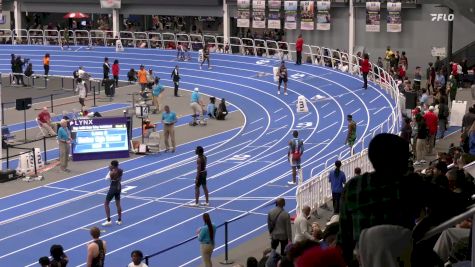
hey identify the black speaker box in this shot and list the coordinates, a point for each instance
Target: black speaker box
(7, 175)
(23, 103)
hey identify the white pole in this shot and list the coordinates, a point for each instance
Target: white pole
(351, 30)
(17, 16)
(115, 22)
(226, 21)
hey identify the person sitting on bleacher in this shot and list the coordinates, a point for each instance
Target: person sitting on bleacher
(44, 119)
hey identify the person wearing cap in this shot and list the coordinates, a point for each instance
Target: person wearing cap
(196, 105)
(432, 122)
(351, 136)
(64, 141)
(44, 119)
(142, 77)
(157, 95)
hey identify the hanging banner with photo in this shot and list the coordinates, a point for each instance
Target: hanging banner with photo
(307, 15)
(394, 17)
(273, 21)
(258, 13)
(290, 8)
(323, 15)
(243, 13)
(373, 16)
(115, 4)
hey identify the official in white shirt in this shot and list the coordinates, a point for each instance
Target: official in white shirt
(303, 229)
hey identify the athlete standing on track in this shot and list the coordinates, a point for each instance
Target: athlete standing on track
(115, 175)
(205, 56)
(294, 156)
(96, 250)
(201, 175)
(282, 77)
(351, 137)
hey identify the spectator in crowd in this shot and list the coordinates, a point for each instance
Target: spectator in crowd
(302, 227)
(132, 75)
(437, 64)
(278, 224)
(142, 77)
(471, 136)
(351, 136)
(424, 99)
(452, 87)
(44, 262)
(115, 72)
(376, 198)
(282, 77)
(157, 95)
(299, 48)
(96, 249)
(432, 123)
(222, 110)
(430, 76)
(64, 140)
(468, 119)
(449, 239)
(443, 116)
(201, 175)
(406, 131)
(365, 70)
(251, 262)
(421, 139)
(176, 80)
(440, 78)
(59, 259)
(137, 258)
(417, 79)
(150, 79)
(211, 108)
(357, 171)
(46, 62)
(44, 119)
(106, 69)
(206, 236)
(294, 156)
(337, 180)
(81, 89)
(18, 69)
(403, 60)
(196, 106)
(168, 121)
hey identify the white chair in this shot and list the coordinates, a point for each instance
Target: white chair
(153, 143)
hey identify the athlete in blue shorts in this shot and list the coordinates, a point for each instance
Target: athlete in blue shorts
(115, 176)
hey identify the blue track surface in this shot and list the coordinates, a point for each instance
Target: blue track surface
(247, 166)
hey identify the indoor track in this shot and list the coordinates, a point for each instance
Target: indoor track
(247, 166)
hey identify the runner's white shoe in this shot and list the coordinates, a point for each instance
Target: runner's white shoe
(118, 222)
(206, 204)
(285, 93)
(278, 92)
(291, 183)
(107, 223)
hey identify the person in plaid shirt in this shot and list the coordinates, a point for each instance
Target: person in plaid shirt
(391, 196)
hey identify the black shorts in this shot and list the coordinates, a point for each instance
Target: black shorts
(113, 194)
(282, 80)
(202, 179)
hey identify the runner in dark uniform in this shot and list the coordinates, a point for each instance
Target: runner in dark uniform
(96, 250)
(201, 175)
(115, 175)
(282, 78)
(205, 56)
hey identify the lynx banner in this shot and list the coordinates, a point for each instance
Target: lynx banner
(373, 16)
(273, 21)
(394, 17)
(290, 8)
(243, 13)
(307, 15)
(323, 15)
(258, 13)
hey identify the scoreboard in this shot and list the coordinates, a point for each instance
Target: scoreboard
(99, 138)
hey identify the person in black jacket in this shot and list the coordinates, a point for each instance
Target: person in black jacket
(222, 110)
(106, 69)
(176, 80)
(443, 115)
(18, 68)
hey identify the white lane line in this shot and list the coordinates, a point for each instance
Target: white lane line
(356, 111)
(308, 114)
(352, 100)
(379, 110)
(257, 129)
(329, 114)
(326, 104)
(323, 129)
(278, 110)
(375, 99)
(256, 121)
(281, 118)
(275, 130)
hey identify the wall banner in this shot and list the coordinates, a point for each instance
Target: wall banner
(323, 15)
(243, 13)
(394, 17)
(290, 8)
(373, 16)
(307, 15)
(273, 21)
(258, 13)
